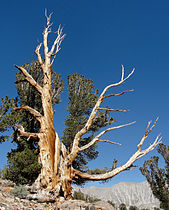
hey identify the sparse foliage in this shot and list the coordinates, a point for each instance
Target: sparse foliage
(19, 191)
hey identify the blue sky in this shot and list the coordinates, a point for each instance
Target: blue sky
(100, 36)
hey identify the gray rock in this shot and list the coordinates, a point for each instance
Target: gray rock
(6, 183)
(104, 204)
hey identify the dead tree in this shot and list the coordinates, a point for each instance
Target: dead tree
(57, 172)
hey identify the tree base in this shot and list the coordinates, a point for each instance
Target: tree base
(47, 195)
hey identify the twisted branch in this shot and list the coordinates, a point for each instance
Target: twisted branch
(137, 155)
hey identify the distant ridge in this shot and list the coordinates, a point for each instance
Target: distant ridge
(130, 193)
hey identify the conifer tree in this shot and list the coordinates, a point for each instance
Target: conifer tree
(157, 177)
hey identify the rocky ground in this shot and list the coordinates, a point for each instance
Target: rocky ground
(11, 202)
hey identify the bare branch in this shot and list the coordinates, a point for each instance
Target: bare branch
(93, 114)
(53, 60)
(38, 55)
(116, 110)
(101, 134)
(56, 45)
(57, 42)
(126, 166)
(22, 132)
(113, 128)
(32, 111)
(118, 94)
(146, 133)
(111, 142)
(45, 34)
(118, 83)
(30, 79)
(122, 74)
(48, 18)
(47, 15)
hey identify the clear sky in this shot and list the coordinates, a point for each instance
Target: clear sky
(100, 36)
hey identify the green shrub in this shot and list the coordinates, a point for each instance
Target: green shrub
(81, 196)
(19, 191)
(133, 208)
(122, 207)
(1, 173)
(111, 203)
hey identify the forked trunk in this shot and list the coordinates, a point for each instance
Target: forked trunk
(53, 182)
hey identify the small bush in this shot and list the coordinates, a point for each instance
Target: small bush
(133, 208)
(111, 203)
(122, 207)
(81, 196)
(1, 171)
(20, 192)
(149, 209)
